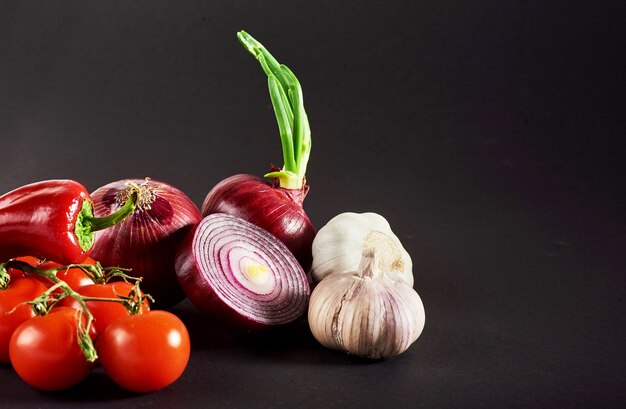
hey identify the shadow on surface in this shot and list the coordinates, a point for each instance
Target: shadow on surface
(96, 387)
(292, 343)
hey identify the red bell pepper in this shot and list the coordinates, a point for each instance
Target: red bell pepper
(52, 220)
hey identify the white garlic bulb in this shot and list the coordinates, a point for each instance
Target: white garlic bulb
(339, 244)
(366, 313)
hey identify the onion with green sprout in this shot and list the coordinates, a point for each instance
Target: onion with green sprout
(275, 207)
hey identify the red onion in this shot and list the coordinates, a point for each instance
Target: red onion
(276, 207)
(277, 210)
(240, 274)
(147, 240)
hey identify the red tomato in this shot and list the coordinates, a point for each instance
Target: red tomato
(33, 261)
(74, 277)
(104, 312)
(21, 289)
(44, 351)
(145, 352)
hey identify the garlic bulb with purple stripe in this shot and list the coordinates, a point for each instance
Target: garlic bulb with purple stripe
(368, 312)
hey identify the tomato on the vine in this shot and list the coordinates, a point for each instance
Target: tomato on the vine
(74, 277)
(145, 352)
(104, 312)
(19, 291)
(45, 353)
(33, 261)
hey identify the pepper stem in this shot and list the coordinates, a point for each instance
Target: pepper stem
(87, 224)
(99, 223)
(293, 124)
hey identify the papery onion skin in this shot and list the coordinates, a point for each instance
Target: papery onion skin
(147, 241)
(275, 209)
(206, 292)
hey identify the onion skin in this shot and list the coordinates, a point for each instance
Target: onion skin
(147, 240)
(203, 252)
(276, 210)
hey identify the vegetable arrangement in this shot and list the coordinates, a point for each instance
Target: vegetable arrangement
(55, 319)
(243, 260)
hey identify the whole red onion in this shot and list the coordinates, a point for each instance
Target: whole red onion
(277, 210)
(147, 240)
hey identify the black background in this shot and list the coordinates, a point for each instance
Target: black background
(489, 133)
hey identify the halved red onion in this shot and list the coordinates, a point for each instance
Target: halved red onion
(147, 240)
(241, 274)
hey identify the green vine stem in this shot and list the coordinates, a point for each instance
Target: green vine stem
(293, 124)
(5, 279)
(48, 299)
(96, 273)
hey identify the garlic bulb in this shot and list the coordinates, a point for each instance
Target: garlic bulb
(366, 312)
(338, 246)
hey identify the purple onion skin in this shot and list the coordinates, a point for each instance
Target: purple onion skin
(146, 241)
(277, 210)
(205, 298)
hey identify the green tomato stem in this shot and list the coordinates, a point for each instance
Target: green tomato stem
(5, 279)
(293, 124)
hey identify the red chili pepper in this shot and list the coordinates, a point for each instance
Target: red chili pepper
(52, 219)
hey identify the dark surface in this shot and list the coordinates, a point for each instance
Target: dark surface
(490, 134)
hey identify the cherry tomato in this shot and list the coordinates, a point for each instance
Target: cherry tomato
(20, 290)
(104, 312)
(74, 277)
(44, 351)
(33, 261)
(145, 352)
